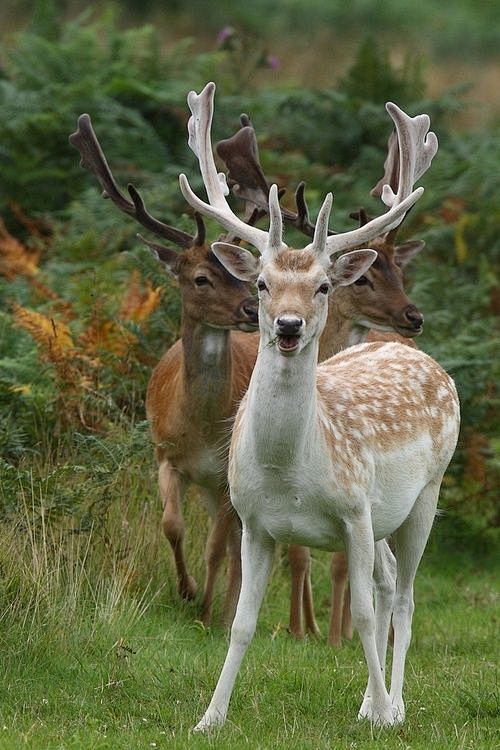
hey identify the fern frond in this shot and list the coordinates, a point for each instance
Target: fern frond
(139, 300)
(106, 336)
(53, 336)
(15, 258)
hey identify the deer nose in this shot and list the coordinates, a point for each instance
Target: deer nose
(250, 308)
(289, 325)
(414, 317)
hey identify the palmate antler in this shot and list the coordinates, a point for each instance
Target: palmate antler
(246, 178)
(409, 154)
(270, 242)
(199, 126)
(421, 148)
(93, 159)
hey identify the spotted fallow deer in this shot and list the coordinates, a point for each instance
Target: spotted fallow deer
(340, 454)
(375, 304)
(197, 384)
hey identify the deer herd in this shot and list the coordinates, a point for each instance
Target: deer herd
(341, 432)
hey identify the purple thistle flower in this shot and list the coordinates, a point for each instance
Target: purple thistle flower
(224, 34)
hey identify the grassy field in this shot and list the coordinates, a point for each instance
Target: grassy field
(97, 651)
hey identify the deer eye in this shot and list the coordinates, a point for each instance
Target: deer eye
(361, 281)
(261, 285)
(201, 280)
(324, 288)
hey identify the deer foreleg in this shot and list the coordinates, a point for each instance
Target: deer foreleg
(172, 488)
(340, 615)
(234, 569)
(360, 547)
(215, 551)
(256, 560)
(298, 559)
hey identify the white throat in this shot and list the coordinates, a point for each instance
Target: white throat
(281, 403)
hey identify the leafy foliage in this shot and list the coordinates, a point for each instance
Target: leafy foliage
(83, 323)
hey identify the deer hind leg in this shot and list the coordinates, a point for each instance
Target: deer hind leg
(172, 488)
(360, 547)
(340, 616)
(410, 540)
(257, 550)
(384, 577)
(301, 599)
(308, 605)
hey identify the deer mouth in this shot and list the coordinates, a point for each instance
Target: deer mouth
(288, 344)
(248, 326)
(410, 331)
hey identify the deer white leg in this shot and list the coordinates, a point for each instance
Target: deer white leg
(410, 540)
(384, 577)
(172, 488)
(257, 551)
(361, 555)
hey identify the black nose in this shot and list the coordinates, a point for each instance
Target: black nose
(414, 317)
(251, 309)
(289, 325)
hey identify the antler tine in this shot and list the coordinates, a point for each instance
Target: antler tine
(391, 167)
(301, 219)
(93, 159)
(375, 227)
(199, 126)
(361, 216)
(417, 147)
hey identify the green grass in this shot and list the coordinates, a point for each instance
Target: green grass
(97, 652)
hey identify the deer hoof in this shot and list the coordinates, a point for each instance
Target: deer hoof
(382, 716)
(187, 588)
(209, 721)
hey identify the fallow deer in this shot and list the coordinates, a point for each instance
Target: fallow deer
(376, 301)
(197, 384)
(340, 454)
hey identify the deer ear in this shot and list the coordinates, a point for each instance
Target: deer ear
(404, 253)
(350, 266)
(168, 258)
(238, 261)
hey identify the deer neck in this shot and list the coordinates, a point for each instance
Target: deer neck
(340, 332)
(281, 405)
(207, 371)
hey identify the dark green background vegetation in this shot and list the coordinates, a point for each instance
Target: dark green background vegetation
(134, 87)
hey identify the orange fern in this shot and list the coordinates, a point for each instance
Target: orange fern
(15, 258)
(139, 300)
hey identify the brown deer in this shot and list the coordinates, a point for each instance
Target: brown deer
(340, 454)
(197, 385)
(375, 304)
